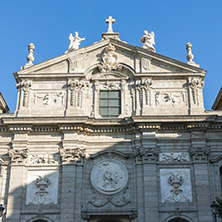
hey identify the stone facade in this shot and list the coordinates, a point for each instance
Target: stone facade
(63, 161)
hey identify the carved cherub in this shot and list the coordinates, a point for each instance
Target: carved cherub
(148, 41)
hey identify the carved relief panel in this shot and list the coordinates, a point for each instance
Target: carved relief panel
(174, 157)
(43, 159)
(173, 99)
(42, 187)
(109, 179)
(175, 185)
(49, 99)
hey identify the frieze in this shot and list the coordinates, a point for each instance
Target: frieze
(174, 157)
(170, 98)
(49, 98)
(111, 86)
(18, 156)
(42, 159)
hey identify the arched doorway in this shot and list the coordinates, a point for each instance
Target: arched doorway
(178, 220)
(109, 220)
(40, 221)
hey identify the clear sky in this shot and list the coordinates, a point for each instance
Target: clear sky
(48, 23)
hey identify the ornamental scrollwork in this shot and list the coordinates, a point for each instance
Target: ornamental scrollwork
(76, 86)
(146, 154)
(24, 85)
(72, 155)
(18, 156)
(109, 58)
(199, 153)
(119, 200)
(3, 163)
(195, 84)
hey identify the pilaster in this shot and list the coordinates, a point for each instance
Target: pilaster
(199, 152)
(19, 156)
(72, 158)
(146, 159)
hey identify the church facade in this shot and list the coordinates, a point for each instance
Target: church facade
(110, 133)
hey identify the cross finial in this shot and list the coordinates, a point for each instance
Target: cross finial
(110, 20)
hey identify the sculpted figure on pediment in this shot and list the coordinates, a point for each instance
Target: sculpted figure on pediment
(148, 41)
(74, 42)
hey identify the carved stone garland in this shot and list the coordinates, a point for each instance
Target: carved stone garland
(24, 86)
(18, 156)
(76, 86)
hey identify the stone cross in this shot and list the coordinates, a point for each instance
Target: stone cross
(110, 20)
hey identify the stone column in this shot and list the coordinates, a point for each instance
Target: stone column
(199, 152)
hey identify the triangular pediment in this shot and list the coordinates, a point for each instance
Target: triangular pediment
(138, 59)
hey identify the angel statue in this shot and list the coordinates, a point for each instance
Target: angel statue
(148, 41)
(74, 42)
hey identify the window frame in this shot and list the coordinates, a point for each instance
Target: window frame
(109, 106)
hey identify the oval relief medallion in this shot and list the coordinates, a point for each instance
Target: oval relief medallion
(109, 176)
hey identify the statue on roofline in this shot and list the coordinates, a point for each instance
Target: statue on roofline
(148, 41)
(74, 42)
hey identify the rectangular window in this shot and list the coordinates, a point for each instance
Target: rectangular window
(110, 103)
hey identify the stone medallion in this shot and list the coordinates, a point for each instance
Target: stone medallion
(109, 176)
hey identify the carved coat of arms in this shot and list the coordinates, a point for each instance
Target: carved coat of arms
(109, 58)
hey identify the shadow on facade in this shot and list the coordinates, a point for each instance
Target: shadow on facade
(108, 184)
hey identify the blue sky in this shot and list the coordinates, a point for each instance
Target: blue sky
(48, 23)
